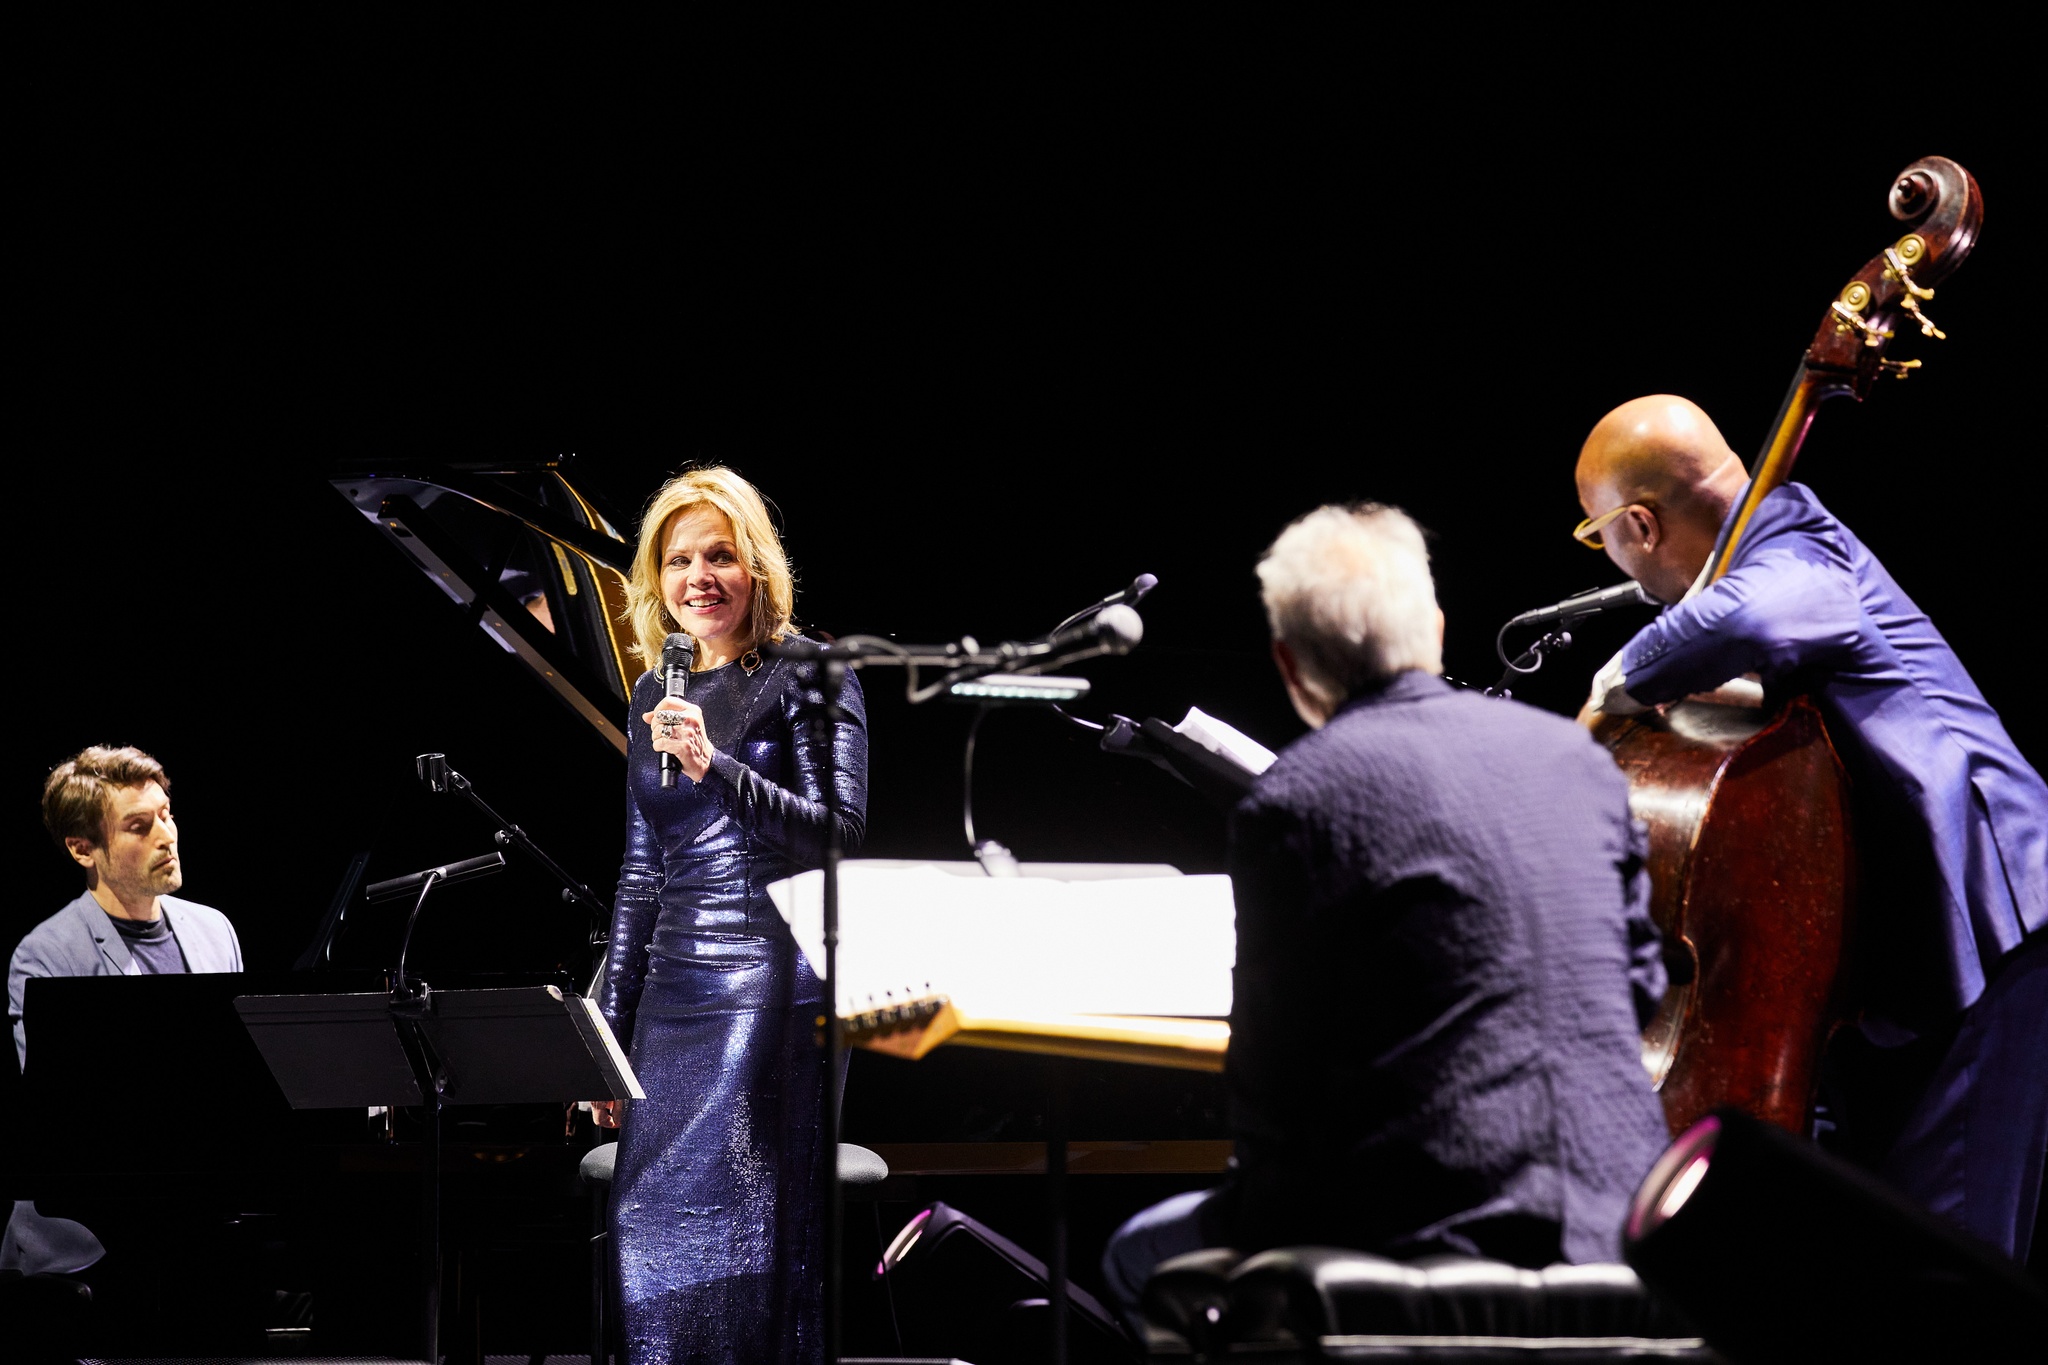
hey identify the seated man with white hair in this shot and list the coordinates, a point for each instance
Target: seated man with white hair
(1444, 958)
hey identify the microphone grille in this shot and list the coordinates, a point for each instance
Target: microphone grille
(678, 648)
(1118, 629)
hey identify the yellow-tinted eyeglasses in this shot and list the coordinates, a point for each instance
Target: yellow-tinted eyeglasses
(1587, 532)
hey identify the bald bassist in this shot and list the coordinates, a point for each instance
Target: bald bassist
(1944, 1089)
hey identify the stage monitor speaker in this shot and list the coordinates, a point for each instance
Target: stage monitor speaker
(1781, 1252)
(962, 1289)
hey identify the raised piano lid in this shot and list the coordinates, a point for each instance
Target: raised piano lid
(528, 557)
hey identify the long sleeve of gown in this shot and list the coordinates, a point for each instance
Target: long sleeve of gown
(635, 907)
(793, 822)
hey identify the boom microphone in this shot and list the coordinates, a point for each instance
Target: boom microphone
(677, 651)
(1115, 629)
(1585, 604)
(1130, 596)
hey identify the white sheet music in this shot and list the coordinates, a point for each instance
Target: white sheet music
(1086, 943)
(1226, 741)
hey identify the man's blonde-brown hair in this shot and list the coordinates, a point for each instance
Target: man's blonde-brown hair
(753, 535)
(79, 791)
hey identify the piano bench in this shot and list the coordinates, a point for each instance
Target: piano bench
(1331, 1304)
(859, 1168)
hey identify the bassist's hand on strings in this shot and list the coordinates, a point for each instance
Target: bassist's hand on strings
(679, 729)
(606, 1113)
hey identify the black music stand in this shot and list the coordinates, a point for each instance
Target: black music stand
(1214, 776)
(525, 1045)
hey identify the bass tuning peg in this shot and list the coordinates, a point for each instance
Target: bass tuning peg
(1927, 328)
(1848, 318)
(1896, 269)
(1898, 369)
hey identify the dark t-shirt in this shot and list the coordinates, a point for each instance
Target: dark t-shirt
(152, 945)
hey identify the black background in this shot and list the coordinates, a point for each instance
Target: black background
(998, 316)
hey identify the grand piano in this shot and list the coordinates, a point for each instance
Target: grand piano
(960, 1108)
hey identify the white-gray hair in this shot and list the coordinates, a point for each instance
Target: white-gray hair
(1348, 589)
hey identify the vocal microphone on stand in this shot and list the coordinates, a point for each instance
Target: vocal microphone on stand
(1580, 606)
(1130, 596)
(1562, 616)
(677, 651)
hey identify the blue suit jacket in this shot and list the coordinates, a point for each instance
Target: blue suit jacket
(1952, 822)
(79, 941)
(1444, 960)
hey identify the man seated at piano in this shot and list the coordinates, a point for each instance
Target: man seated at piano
(1943, 1090)
(1444, 956)
(109, 810)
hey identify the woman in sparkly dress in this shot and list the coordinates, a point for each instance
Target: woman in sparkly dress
(716, 1214)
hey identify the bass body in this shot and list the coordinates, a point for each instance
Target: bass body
(1752, 883)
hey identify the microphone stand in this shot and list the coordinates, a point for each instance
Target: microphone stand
(828, 663)
(1530, 659)
(828, 679)
(433, 770)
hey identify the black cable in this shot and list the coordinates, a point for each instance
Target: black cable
(1554, 641)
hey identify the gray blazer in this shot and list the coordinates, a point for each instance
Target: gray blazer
(78, 941)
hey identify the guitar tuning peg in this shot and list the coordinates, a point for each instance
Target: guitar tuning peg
(1898, 369)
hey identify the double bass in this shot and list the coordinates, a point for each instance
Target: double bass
(1751, 857)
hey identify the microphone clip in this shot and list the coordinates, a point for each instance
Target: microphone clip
(1530, 660)
(433, 770)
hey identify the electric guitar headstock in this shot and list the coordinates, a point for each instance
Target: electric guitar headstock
(908, 1024)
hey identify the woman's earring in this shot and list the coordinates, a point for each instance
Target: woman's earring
(750, 661)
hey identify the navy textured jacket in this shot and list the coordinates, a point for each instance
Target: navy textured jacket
(1444, 960)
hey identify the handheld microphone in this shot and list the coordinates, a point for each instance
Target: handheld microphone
(677, 651)
(1583, 605)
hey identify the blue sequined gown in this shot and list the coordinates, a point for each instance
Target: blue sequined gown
(715, 1218)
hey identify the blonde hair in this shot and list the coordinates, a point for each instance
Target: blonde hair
(1349, 590)
(753, 535)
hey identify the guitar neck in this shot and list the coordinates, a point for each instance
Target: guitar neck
(913, 1030)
